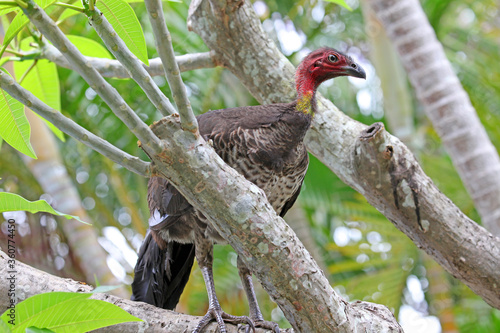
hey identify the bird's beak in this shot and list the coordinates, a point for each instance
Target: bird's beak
(355, 70)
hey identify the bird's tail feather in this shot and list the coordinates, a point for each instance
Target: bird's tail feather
(162, 274)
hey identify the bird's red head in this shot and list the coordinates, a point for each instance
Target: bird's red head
(324, 64)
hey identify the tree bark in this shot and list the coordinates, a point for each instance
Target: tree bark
(446, 103)
(469, 252)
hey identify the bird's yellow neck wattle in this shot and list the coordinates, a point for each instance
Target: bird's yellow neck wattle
(305, 102)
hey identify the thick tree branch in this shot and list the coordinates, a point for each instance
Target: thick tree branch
(254, 59)
(156, 319)
(71, 128)
(117, 104)
(446, 104)
(131, 63)
(163, 43)
(113, 68)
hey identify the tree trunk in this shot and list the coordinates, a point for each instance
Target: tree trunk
(446, 103)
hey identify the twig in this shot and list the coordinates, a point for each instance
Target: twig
(71, 128)
(163, 43)
(28, 71)
(113, 68)
(66, 5)
(134, 67)
(79, 63)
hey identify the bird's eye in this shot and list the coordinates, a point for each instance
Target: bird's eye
(332, 58)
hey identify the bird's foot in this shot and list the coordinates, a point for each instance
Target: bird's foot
(268, 325)
(222, 318)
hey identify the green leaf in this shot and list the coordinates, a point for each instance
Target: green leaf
(7, 9)
(68, 12)
(89, 47)
(12, 202)
(4, 327)
(20, 21)
(14, 126)
(42, 81)
(341, 3)
(123, 19)
(33, 329)
(67, 312)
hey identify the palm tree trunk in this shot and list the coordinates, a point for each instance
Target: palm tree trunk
(51, 173)
(52, 176)
(446, 103)
(398, 106)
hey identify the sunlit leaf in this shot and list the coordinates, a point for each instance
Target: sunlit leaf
(42, 81)
(89, 47)
(14, 126)
(123, 19)
(7, 9)
(66, 312)
(10, 202)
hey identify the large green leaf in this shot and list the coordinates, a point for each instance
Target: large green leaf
(12, 202)
(14, 126)
(42, 81)
(123, 19)
(89, 47)
(66, 312)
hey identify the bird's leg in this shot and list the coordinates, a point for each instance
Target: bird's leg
(204, 257)
(255, 313)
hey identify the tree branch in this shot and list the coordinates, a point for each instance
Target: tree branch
(333, 138)
(446, 104)
(163, 43)
(113, 68)
(240, 212)
(156, 319)
(117, 104)
(130, 62)
(71, 128)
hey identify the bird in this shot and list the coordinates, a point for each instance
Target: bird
(264, 143)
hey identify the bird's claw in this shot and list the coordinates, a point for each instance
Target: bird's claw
(268, 325)
(221, 317)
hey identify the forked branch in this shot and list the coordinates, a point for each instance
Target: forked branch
(163, 42)
(131, 63)
(110, 96)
